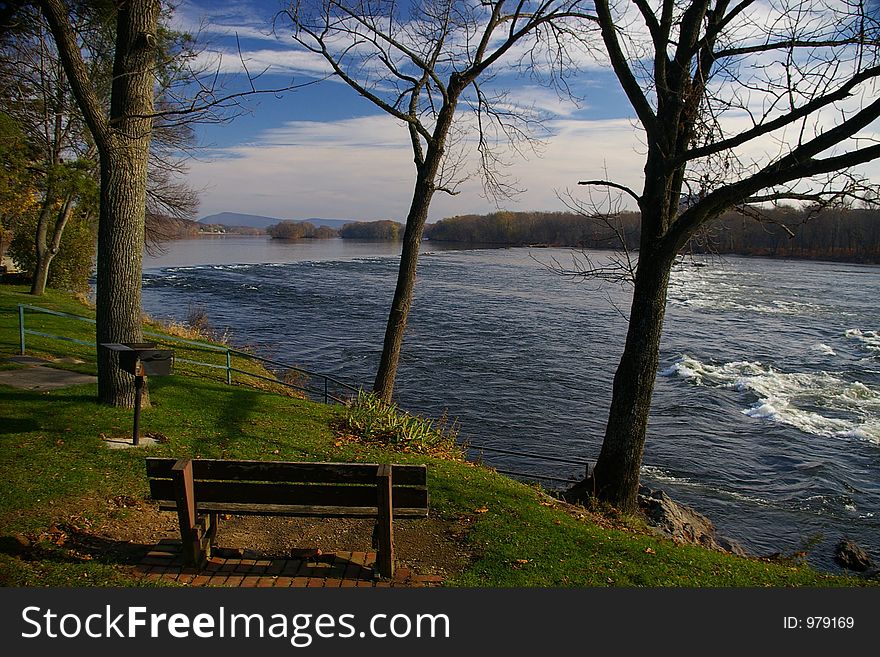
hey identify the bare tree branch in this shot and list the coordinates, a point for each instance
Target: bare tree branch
(419, 63)
(742, 105)
(613, 185)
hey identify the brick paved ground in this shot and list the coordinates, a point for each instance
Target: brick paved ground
(305, 568)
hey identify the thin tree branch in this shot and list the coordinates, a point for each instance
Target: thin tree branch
(56, 13)
(613, 185)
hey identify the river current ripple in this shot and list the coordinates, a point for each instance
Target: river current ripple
(766, 414)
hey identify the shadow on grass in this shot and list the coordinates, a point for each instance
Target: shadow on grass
(12, 425)
(233, 406)
(18, 409)
(72, 545)
(9, 395)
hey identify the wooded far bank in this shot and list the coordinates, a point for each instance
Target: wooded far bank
(830, 234)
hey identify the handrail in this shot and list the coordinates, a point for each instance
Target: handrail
(324, 391)
(269, 361)
(229, 352)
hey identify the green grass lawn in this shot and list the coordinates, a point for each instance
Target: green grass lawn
(53, 463)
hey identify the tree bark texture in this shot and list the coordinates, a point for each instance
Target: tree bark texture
(425, 186)
(615, 478)
(123, 141)
(123, 196)
(383, 386)
(120, 243)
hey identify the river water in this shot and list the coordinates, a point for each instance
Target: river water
(766, 413)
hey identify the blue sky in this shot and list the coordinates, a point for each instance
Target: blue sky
(325, 152)
(322, 151)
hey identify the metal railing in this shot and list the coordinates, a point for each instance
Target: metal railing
(329, 389)
(321, 393)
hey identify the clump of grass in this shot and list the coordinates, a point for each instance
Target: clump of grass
(196, 326)
(295, 377)
(370, 420)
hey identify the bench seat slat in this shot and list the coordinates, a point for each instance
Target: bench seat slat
(317, 511)
(289, 471)
(245, 492)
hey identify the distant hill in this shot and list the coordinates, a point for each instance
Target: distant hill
(258, 221)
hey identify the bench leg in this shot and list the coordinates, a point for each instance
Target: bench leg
(213, 527)
(181, 474)
(385, 522)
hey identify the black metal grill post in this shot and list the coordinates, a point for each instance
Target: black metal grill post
(138, 394)
(141, 359)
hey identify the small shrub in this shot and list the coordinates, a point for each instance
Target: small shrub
(197, 319)
(197, 326)
(370, 420)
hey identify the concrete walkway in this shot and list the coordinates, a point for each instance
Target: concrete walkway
(306, 568)
(38, 375)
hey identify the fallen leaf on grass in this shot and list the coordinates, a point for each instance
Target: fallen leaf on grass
(649, 551)
(482, 509)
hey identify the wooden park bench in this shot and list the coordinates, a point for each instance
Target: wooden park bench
(200, 490)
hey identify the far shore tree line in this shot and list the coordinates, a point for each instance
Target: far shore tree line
(383, 229)
(740, 106)
(845, 234)
(787, 232)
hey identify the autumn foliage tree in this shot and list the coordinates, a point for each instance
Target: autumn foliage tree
(62, 170)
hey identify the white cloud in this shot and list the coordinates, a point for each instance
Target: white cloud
(248, 20)
(362, 169)
(268, 60)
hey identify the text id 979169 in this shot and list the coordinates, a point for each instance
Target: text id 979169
(819, 623)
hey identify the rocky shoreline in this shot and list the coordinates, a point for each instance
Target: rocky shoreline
(681, 523)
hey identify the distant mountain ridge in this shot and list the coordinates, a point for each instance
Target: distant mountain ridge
(259, 221)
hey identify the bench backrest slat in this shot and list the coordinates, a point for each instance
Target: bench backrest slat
(285, 471)
(291, 494)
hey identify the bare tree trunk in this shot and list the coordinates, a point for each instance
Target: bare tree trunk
(120, 243)
(46, 251)
(123, 195)
(615, 479)
(41, 268)
(383, 386)
(423, 192)
(617, 470)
